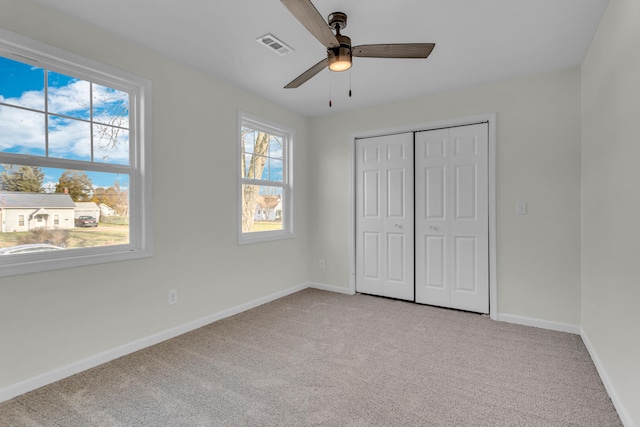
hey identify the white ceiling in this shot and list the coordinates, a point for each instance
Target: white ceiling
(477, 41)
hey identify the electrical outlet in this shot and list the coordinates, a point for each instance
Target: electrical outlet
(521, 208)
(321, 264)
(173, 296)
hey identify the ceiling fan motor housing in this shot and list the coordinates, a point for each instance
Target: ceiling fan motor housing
(340, 57)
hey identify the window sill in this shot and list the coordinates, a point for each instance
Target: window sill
(265, 236)
(33, 263)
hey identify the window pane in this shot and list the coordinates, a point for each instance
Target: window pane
(68, 96)
(110, 106)
(248, 139)
(265, 170)
(275, 147)
(261, 145)
(21, 131)
(275, 170)
(69, 139)
(110, 144)
(256, 166)
(62, 210)
(261, 208)
(21, 84)
(247, 165)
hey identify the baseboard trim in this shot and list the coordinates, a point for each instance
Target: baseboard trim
(331, 288)
(539, 323)
(91, 362)
(608, 384)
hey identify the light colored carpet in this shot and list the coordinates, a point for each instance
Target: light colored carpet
(320, 358)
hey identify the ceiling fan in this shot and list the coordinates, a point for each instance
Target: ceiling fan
(339, 49)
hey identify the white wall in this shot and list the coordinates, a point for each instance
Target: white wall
(57, 318)
(538, 161)
(611, 201)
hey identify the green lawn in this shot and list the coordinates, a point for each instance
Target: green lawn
(266, 225)
(104, 234)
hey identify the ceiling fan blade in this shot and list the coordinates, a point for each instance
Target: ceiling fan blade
(400, 50)
(298, 81)
(308, 15)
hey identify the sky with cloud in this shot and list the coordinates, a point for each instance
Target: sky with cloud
(79, 118)
(273, 166)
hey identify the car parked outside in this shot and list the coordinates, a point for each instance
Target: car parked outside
(86, 221)
(27, 249)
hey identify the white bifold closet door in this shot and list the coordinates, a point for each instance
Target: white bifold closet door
(452, 218)
(384, 216)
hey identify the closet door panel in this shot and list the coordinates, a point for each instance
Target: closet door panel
(469, 227)
(384, 216)
(432, 213)
(452, 230)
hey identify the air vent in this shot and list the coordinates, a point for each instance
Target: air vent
(272, 43)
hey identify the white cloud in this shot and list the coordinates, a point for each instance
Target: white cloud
(21, 129)
(72, 99)
(49, 187)
(69, 138)
(24, 131)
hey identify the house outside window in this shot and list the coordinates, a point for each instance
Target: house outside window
(265, 184)
(77, 129)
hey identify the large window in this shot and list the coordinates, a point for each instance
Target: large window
(265, 180)
(74, 142)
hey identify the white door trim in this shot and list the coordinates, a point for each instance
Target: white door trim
(490, 118)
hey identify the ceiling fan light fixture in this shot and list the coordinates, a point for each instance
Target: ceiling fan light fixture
(339, 59)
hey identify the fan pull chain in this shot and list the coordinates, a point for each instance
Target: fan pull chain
(349, 83)
(330, 103)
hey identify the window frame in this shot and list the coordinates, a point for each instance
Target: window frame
(287, 134)
(29, 51)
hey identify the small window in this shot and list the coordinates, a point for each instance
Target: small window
(265, 189)
(73, 135)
